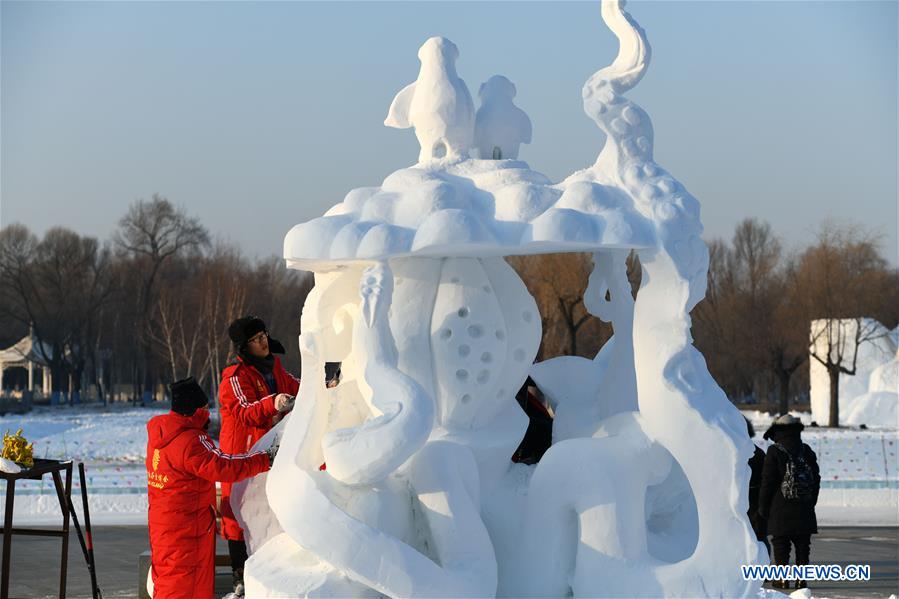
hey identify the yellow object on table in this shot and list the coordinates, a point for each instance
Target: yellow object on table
(18, 449)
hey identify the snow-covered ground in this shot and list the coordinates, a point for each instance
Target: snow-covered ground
(112, 444)
(859, 469)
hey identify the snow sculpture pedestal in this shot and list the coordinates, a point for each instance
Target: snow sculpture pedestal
(398, 482)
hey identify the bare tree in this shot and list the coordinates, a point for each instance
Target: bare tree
(179, 336)
(152, 234)
(757, 291)
(787, 340)
(223, 289)
(844, 279)
(58, 287)
(558, 282)
(715, 330)
(732, 326)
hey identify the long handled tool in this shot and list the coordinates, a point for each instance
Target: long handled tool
(85, 539)
(92, 565)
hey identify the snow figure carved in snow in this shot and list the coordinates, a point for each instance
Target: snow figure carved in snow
(437, 104)
(500, 126)
(398, 482)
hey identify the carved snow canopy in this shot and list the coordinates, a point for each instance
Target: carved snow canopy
(472, 208)
(444, 228)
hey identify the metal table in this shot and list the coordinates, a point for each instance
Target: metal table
(63, 493)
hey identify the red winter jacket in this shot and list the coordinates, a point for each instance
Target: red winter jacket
(247, 411)
(183, 464)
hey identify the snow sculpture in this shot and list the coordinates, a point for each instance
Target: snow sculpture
(437, 104)
(500, 126)
(398, 481)
(871, 395)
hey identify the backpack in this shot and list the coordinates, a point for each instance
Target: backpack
(799, 482)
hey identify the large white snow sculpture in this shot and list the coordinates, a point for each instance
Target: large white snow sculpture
(399, 482)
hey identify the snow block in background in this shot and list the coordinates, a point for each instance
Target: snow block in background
(871, 396)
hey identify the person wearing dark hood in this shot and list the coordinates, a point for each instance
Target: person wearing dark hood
(253, 392)
(756, 466)
(183, 465)
(788, 494)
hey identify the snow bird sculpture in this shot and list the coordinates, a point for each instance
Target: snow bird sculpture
(437, 104)
(500, 126)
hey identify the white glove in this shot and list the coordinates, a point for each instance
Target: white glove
(284, 402)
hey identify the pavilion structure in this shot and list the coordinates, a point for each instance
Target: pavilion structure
(28, 353)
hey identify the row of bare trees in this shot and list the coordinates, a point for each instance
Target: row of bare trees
(754, 324)
(151, 306)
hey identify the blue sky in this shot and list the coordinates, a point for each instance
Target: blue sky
(257, 116)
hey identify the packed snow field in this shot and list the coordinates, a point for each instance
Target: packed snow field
(112, 444)
(859, 468)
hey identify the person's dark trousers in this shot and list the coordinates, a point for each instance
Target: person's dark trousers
(238, 552)
(781, 544)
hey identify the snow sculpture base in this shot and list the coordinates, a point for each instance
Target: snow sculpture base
(281, 568)
(398, 482)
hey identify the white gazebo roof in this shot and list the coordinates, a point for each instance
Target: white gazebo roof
(26, 350)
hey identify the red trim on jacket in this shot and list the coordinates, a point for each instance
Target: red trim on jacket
(183, 465)
(248, 412)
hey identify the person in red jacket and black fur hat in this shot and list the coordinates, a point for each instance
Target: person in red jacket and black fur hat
(253, 392)
(183, 465)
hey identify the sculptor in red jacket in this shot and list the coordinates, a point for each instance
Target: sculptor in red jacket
(183, 465)
(252, 394)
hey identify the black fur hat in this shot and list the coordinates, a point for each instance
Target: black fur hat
(187, 396)
(245, 328)
(786, 423)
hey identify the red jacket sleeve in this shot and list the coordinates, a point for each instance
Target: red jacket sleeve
(233, 395)
(293, 384)
(203, 459)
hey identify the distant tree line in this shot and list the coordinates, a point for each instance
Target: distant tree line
(149, 306)
(753, 327)
(153, 303)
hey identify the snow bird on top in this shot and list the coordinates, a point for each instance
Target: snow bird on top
(437, 104)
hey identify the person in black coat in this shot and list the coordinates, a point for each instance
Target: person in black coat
(790, 521)
(756, 465)
(539, 435)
